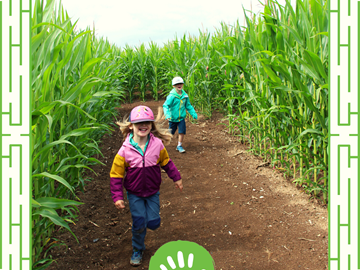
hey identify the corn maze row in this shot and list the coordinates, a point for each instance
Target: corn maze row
(269, 77)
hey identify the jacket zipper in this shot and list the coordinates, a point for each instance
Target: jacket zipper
(179, 107)
(143, 160)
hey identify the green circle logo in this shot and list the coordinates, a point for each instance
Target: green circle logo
(181, 255)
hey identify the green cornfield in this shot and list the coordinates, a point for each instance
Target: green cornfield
(268, 77)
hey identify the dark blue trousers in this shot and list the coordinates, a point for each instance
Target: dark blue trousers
(145, 214)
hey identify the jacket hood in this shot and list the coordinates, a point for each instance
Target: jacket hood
(174, 92)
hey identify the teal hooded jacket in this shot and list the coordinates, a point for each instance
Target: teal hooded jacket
(175, 106)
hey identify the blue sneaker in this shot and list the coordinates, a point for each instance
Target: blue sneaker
(180, 149)
(136, 257)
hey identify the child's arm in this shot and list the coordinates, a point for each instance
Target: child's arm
(190, 109)
(116, 178)
(169, 167)
(166, 107)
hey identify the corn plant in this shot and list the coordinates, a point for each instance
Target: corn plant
(271, 79)
(157, 67)
(71, 75)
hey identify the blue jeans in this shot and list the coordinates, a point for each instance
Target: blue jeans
(145, 214)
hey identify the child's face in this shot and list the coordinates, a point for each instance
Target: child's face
(141, 129)
(178, 86)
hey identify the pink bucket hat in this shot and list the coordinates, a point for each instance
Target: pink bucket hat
(141, 114)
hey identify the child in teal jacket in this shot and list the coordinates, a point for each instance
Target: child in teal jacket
(175, 107)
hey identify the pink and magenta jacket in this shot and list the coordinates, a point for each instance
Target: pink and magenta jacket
(141, 175)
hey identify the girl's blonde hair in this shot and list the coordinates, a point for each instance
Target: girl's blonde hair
(157, 128)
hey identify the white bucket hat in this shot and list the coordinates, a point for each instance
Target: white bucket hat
(177, 80)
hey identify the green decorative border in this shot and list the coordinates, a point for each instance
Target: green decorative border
(341, 195)
(19, 231)
(1, 90)
(333, 208)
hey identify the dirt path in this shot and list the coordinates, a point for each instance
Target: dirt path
(247, 217)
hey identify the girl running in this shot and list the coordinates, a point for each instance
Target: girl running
(137, 168)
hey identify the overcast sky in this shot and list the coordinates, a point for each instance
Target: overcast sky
(139, 21)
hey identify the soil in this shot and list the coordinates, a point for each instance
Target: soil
(241, 210)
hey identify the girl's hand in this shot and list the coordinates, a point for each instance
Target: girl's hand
(120, 204)
(179, 185)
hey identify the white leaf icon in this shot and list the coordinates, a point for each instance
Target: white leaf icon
(181, 262)
(171, 262)
(190, 260)
(181, 259)
(181, 255)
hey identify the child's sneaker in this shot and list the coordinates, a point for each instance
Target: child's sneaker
(136, 257)
(180, 149)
